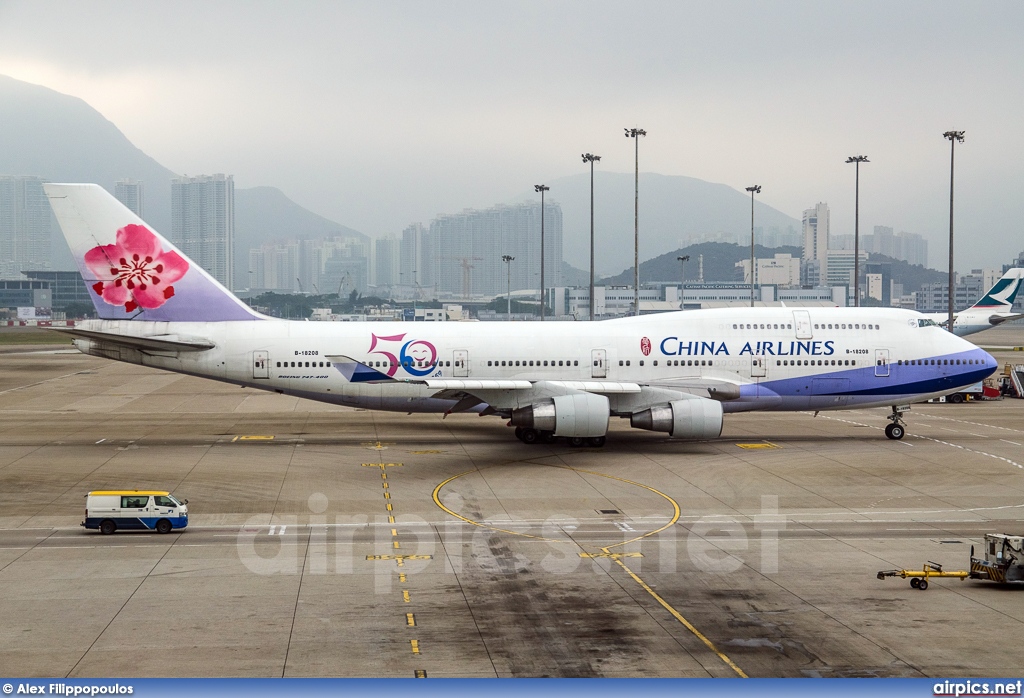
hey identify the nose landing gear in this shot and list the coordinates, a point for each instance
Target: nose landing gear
(897, 428)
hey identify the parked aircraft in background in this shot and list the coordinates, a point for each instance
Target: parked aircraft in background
(994, 308)
(676, 373)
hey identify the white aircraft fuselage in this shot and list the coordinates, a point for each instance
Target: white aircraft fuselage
(840, 358)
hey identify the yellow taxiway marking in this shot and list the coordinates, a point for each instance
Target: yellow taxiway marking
(679, 617)
(389, 507)
(616, 557)
(381, 465)
(383, 474)
(378, 445)
(766, 444)
(410, 620)
(394, 532)
(400, 559)
(420, 674)
(387, 495)
(394, 544)
(401, 576)
(405, 595)
(391, 519)
(252, 438)
(385, 485)
(415, 646)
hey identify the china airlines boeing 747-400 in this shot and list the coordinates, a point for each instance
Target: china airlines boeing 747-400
(674, 372)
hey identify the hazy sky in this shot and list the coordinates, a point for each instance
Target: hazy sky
(378, 114)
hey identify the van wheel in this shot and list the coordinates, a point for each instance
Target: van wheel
(107, 527)
(163, 526)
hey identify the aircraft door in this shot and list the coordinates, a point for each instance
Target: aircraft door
(882, 363)
(599, 363)
(460, 363)
(802, 324)
(261, 364)
(758, 366)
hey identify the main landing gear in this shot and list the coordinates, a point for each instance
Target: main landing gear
(534, 436)
(897, 428)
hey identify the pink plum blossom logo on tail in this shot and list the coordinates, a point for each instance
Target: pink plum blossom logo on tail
(135, 272)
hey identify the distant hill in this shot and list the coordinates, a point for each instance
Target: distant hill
(673, 211)
(59, 137)
(719, 263)
(910, 275)
(720, 266)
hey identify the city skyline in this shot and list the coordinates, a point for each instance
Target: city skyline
(416, 130)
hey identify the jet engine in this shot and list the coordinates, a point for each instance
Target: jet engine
(576, 414)
(698, 418)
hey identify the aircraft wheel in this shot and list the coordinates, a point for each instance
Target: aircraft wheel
(923, 584)
(596, 441)
(548, 437)
(530, 436)
(519, 433)
(576, 441)
(895, 431)
(915, 582)
(107, 527)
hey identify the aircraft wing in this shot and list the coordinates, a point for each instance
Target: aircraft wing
(358, 372)
(163, 342)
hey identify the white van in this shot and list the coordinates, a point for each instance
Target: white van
(110, 510)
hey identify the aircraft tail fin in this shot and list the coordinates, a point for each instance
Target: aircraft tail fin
(1000, 297)
(132, 272)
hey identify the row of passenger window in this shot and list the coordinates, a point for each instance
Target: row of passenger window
(817, 326)
(939, 362)
(811, 362)
(535, 362)
(299, 364)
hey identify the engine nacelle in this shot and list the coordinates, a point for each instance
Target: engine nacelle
(577, 414)
(682, 419)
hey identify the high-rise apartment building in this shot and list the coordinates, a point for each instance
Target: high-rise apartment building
(386, 262)
(129, 192)
(26, 225)
(815, 226)
(466, 249)
(414, 257)
(203, 222)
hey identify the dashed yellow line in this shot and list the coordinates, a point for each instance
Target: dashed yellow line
(405, 595)
(415, 646)
(401, 576)
(410, 620)
(394, 544)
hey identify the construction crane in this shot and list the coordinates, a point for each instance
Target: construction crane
(466, 269)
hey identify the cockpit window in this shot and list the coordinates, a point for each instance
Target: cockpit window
(925, 322)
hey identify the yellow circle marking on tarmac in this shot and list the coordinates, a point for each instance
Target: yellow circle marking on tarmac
(617, 559)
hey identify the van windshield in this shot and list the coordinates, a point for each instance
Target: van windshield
(166, 502)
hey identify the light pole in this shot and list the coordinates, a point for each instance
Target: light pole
(635, 134)
(587, 157)
(858, 159)
(756, 189)
(953, 137)
(541, 188)
(507, 259)
(682, 279)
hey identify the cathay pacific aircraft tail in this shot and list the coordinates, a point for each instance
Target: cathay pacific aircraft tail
(676, 373)
(994, 308)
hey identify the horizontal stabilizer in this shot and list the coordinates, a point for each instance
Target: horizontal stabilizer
(163, 342)
(358, 372)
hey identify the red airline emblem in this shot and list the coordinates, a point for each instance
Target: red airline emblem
(645, 346)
